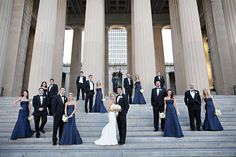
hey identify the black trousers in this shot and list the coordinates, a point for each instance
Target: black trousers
(89, 97)
(129, 92)
(50, 105)
(194, 115)
(121, 122)
(37, 118)
(156, 111)
(57, 123)
(80, 87)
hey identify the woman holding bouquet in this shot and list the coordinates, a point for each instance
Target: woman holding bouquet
(99, 106)
(70, 134)
(22, 127)
(172, 126)
(108, 136)
(211, 122)
(138, 96)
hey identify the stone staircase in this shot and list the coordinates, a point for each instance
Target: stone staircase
(141, 140)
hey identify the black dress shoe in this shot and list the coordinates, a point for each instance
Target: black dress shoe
(155, 130)
(121, 143)
(54, 143)
(43, 131)
(199, 129)
(38, 136)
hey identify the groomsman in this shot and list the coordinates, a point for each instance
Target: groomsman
(89, 89)
(58, 106)
(157, 101)
(160, 78)
(122, 100)
(52, 90)
(128, 85)
(40, 104)
(80, 83)
(192, 100)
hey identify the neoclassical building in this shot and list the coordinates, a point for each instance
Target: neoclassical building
(32, 41)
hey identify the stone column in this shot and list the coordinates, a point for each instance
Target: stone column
(159, 53)
(193, 52)
(16, 53)
(143, 54)
(177, 47)
(43, 50)
(219, 51)
(106, 61)
(75, 58)
(94, 41)
(129, 52)
(229, 8)
(5, 18)
(59, 42)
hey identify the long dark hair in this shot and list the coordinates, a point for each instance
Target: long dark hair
(42, 84)
(172, 94)
(26, 92)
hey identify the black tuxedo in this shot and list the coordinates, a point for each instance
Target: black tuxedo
(121, 118)
(80, 86)
(58, 107)
(52, 90)
(128, 88)
(89, 96)
(161, 79)
(194, 108)
(157, 102)
(40, 114)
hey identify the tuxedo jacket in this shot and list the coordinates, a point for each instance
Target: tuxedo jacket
(123, 102)
(57, 105)
(87, 87)
(127, 85)
(53, 91)
(158, 101)
(162, 80)
(78, 78)
(37, 104)
(192, 103)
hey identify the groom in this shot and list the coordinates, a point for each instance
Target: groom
(122, 100)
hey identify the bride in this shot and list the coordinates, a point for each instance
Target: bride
(108, 136)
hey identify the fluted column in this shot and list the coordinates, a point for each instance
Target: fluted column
(129, 47)
(159, 53)
(5, 18)
(219, 51)
(229, 8)
(177, 47)
(43, 50)
(106, 61)
(193, 52)
(59, 42)
(16, 53)
(94, 41)
(143, 54)
(75, 58)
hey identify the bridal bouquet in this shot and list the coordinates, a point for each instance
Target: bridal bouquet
(162, 115)
(65, 118)
(217, 112)
(141, 90)
(103, 99)
(30, 117)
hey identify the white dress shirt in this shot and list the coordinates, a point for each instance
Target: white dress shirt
(41, 100)
(91, 85)
(81, 79)
(129, 81)
(192, 92)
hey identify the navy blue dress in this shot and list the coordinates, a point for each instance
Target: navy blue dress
(138, 96)
(22, 127)
(99, 106)
(211, 122)
(172, 126)
(70, 134)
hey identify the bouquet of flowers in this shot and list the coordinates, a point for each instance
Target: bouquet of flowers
(65, 118)
(103, 99)
(162, 115)
(142, 90)
(217, 112)
(30, 117)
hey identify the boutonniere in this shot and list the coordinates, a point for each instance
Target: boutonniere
(44, 97)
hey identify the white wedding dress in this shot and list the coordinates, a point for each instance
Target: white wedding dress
(108, 136)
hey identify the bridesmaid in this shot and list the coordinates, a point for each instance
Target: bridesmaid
(99, 106)
(211, 122)
(70, 134)
(138, 96)
(45, 88)
(22, 127)
(172, 126)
